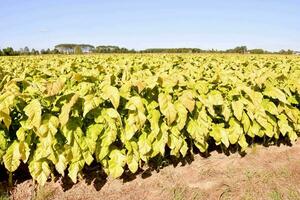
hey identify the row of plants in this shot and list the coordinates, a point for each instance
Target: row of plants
(61, 113)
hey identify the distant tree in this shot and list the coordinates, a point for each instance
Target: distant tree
(43, 51)
(288, 52)
(35, 52)
(1, 53)
(55, 51)
(21, 50)
(239, 49)
(9, 51)
(257, 51)
(26, 51)
(78, 50)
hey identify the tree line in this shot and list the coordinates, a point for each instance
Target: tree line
(9, 51)
(86, 48)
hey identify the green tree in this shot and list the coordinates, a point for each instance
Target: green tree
(257, 51)
(26, 51)
(286, 52)
(55, 51)
(35, 52)
(9, 51)
(78, 50)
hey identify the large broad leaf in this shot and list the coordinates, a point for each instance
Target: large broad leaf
(215, 98)
(4, 116)
(3, 140)
(226, 112)
(135, 104)
(34, 113)
(65, 110)
(112, 93)
(235, 131)
(12, 157)
(275, 93)
(198, 132)
(182, 115)
(246, 122)
(243, 143)
(254, 129)
(55, 87)
(153, 117)
(187, 100)
(92, 134)
(116, 163)
(269, 106)
(220, 134)
(167, 107)
(90, 102)
(283, 124)
(39, 171)
(132, 163)
(237, 107)
(74, 169)
(61, 165)
(144, 144)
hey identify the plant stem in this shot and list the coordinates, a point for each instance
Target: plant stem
(10, 179)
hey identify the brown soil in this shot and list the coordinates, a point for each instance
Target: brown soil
(264, 173)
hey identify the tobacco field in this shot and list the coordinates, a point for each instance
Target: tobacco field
(59, 114)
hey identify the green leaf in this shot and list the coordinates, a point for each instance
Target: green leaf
(112, 113)
(132, 163)
(184, 149)
(12, 157)
(54, 88)
(112, 93)
(226, 112)
(61, 165)
(24, 149)
(3, 141)
(144, 144)
(92, 134)
(235, 131)
(275, 93)
(215, 98)
(74, 169)
(116, 163)
(90, 102)
(246, 122)
(243, 143)
(34, 113)
(237, 107)
(198, 132)
(135, 104)
(4, 116)
(101, 152)
(283, 124)
(153, 117)
(182, 115)
(65, 110)
(269, 106)
(39, 171)
(167, 108)
(254, 129)
(220, 134)
(187, 100)
(293, 136)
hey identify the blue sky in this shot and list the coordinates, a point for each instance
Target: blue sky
(269, 24)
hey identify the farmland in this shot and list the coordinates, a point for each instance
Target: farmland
(60, 114)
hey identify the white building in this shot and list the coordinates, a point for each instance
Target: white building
(70, 48)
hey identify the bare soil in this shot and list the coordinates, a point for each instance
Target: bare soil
(263, 173)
